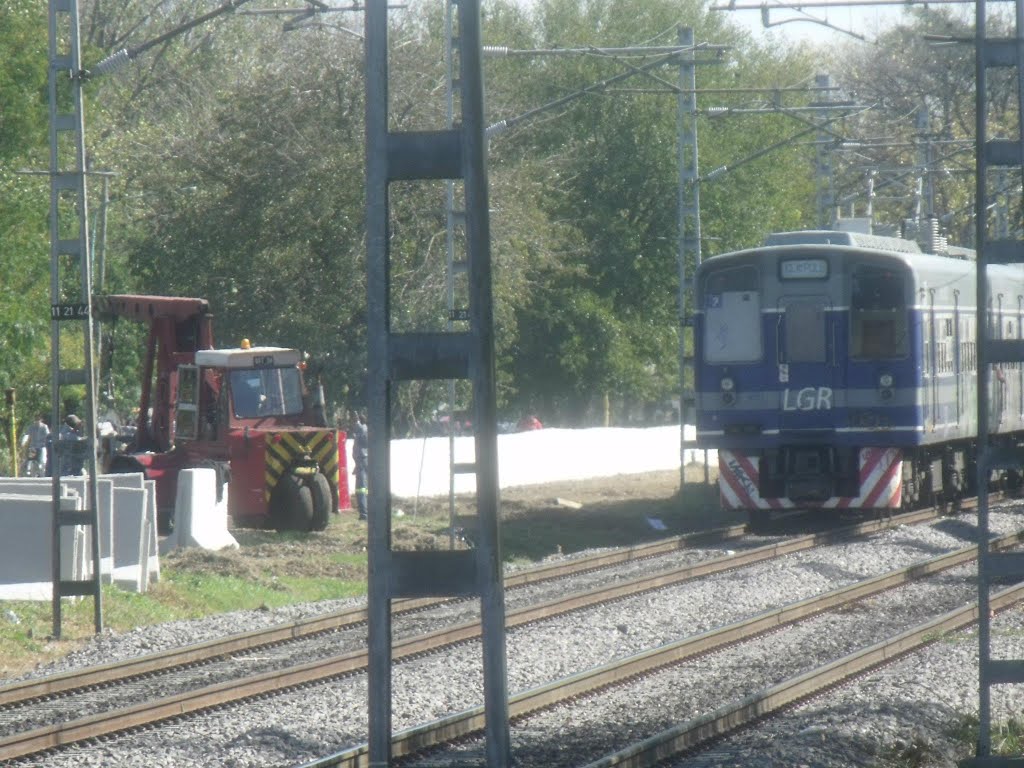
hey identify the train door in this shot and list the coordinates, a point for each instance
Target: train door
(1020, 368)
(808, 371)
(998, 380)
(958, 367)
(931, 363)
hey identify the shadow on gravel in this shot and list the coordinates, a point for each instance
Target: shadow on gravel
(830, 571)
(960, 528)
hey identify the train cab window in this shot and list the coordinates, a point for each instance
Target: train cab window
(878, 314)
(732, 316)
(805, 331)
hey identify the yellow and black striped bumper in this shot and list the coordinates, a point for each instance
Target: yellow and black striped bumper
(287, 448)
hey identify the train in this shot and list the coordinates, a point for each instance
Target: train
(838, 371)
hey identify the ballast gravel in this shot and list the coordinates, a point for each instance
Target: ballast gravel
(913, 709)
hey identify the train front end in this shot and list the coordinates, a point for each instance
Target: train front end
(805, 376)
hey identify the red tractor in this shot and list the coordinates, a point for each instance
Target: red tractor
(245, 412)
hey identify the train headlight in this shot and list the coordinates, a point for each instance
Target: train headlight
(728, 390)
(885, 386)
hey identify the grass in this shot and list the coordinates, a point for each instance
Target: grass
(270, 570)
(1006, 738)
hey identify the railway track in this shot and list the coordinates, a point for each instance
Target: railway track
(410, 745)
(23, 742)
(24, 691)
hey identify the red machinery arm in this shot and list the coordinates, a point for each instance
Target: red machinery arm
(178, 328)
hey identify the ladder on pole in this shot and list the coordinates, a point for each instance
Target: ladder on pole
(998, 155)
(71, 326)
(688, 217)
(457, 152)
(457, 265)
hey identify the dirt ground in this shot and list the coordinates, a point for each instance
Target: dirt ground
(537, 522)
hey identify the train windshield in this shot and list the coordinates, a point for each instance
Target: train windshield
(732, 316)
(878, 314)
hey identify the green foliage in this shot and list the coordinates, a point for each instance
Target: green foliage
(22, 77)
(238, 153)
(24, 236)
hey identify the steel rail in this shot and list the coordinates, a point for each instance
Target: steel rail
(431, 735)
(771, 700)
(20, 692)
(112, 721)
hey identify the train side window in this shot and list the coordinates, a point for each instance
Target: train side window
(732, 316)
(878, 314)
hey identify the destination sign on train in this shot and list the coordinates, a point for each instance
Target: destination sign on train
(804, 269)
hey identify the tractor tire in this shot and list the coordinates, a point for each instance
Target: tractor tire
(322, 496)
(291, 505)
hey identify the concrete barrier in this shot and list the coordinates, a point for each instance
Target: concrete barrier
(26, 552)
(199, 519)
(152, 535)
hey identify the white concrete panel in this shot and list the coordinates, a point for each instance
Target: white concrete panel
(105, 502)
(199, 521)
(130, 543)
(26, 553)
(26, 485)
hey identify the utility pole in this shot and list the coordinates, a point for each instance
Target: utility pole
(457, 152)
(71, 274)
(1006, 54)
(689, 245)
(71, 321)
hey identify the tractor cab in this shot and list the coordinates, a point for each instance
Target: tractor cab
(239, 388)
(262, 383)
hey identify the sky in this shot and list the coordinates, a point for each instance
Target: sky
(419, 467)
(797, 26)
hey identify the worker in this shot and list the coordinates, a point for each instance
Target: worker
(529, 422)
(36, 439)
(360, 447)
(71, 453)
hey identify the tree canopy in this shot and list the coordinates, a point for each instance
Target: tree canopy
(238, 153)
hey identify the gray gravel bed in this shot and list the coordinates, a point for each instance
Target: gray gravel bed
(584, 730)
(313, 721)
(912, 712)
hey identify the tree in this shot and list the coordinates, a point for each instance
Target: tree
(24, 237)
(239, 149)
(923, 97)
(602, 320)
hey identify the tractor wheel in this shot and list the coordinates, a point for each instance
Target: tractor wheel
(291, 505)
(321, 490)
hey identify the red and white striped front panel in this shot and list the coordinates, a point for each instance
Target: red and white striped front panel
(881, 483)
(738, 483)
